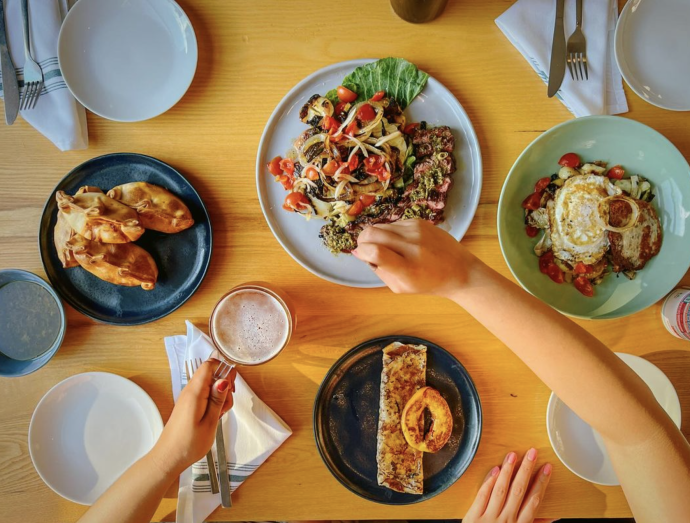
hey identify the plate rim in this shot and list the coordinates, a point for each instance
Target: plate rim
(270, 123)
(130, 120)
(84, 311)
(618, 53)
(500, 212)
(389, 339)
(158, 421)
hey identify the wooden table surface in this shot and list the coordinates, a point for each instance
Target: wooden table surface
(251, 54)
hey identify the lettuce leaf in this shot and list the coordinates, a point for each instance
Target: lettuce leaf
(398, 77)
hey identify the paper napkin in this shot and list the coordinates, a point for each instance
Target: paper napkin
(254, 431)
(57, 115)
(528, 24)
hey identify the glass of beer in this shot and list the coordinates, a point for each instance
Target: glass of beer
(252, 323)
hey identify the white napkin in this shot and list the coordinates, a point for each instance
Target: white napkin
(528, 24)
(57, 115)
(254, 431)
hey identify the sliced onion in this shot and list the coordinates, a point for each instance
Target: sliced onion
(604, 217)
(359, 144)
(340, 188)
(350, 116)
(385, 139)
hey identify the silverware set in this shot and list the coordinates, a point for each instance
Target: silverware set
(574, 53)
(33, 75)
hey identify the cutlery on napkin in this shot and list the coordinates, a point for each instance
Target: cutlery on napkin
(254, 430)
(528, 24)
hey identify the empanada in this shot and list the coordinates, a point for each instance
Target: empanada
(119, 263)
(158, 208)
(61, 236)
(98, 217)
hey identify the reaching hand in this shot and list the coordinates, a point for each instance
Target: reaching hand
(501, 500)
(414, 256)
(191, 429)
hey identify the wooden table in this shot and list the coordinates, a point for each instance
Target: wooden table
(251, 54)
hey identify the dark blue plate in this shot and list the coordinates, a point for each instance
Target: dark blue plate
(182, 258)
(346, 414)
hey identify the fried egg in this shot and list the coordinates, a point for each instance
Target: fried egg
(578, 233)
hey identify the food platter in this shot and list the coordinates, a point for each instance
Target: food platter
(346, 413)
(182, 258)
(435, 105)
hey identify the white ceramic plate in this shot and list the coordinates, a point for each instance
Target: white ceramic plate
(435, 105)
(87, 430)
(127, 61)
(580, 447)
(651, 46)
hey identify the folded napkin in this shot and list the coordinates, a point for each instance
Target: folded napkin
(57, 115)
(528, 24)
(254, 431)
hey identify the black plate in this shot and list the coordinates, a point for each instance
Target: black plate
(182, 258)
(346, 414)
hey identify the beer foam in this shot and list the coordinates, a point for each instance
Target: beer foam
(250, 326)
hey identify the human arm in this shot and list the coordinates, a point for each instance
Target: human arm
(188, 435)
(650, 455)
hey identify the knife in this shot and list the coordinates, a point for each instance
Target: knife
(10, 87)
(557, 67)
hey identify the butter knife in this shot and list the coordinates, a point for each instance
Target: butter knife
(557, 67)
(10, 87)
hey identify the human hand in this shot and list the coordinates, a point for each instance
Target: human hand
(191, 429)
(501, 500)
(414, 256)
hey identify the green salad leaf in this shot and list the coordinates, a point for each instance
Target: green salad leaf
(398, 77)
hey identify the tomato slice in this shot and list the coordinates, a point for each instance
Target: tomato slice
(356, 208)
(383, 175)
(287, 166)
(569, 160)
(542, 184)
(583, 285)
(330, 168)
(340, 108)
(545, 260)
(378, 96)
(295, 201)
(555, 273)
(352, 128)
(616, 172)
(274, 166)
(410, 127)
(366, 113)
(286, 181)
(583, 268)
(353, 163)
(531, 231)
(330, 124)
(367, 199)
(345, 95)
(310, 173)
(532, 202)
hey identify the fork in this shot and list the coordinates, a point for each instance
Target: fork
(577, 49)
(222, 372)
(33, 75)
(190, 367)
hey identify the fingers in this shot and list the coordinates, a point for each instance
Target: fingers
(229, 402)
(379, 256)
(481, 501)
(520, 484)
(219, 393)
(385, 237)
(535, 495)
(500, 490)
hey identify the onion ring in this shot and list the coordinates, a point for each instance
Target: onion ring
(604, 216)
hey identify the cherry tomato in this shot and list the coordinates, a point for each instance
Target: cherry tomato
(569, 160)
(373, 163)
(345, 95)
(356, 208)
(616, 172)
(542, 184)
(583, 268)
(545, 260)
(352, 128)
(295, 201)
(410, 127)
(287, 166)
(366, 113)
(384, 175)
(310, 173)
(367, 199)
(340, 108)
(531, 231)
(330, 124)
(286, 180)
(353, 163)
(532, 202)
(346, 170)
(330, 168)
(583, 285)
(274, 166)
(378, 96)
(555, 273)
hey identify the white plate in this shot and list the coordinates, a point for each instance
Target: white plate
(435, 105)
(87, 430)
(127, 61)
(580, 447)
(651, 45)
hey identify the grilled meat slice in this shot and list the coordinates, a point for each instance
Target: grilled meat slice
(633, 248)
(430, 141)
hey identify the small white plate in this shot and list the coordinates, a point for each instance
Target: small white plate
(580, 447)
(435, 105)
(651, 46)
(87, 430)
(127, 61)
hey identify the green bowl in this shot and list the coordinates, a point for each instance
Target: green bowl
(641, 150)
